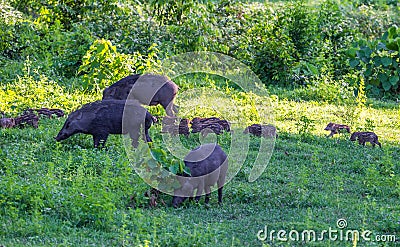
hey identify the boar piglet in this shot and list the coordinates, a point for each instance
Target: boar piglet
(148, 89)
(208, 165)
(102, 118)
(336, 128)
(364, 137)
(7, 122)
(261, 130)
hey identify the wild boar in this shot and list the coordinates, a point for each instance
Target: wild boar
(364, 137)
(199, 124)
(208, 165)
(148, 89)
(102, 118)
(261, 130)
(336, 128)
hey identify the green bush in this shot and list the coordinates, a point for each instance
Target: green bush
(103, 65)
(378, 61)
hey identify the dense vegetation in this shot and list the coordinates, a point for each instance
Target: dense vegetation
(320, 61)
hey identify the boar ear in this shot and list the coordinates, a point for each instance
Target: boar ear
(79, 117)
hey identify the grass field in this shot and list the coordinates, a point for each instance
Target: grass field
(70, 194)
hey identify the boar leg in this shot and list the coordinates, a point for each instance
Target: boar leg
(379, 144)
(208, 193)
(135, 138)
(170, 108)
(146, 133)
(220, 195)
(98, 138)
(200, 189)
(175, 108)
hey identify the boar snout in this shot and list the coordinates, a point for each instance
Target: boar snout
(177, 201)
(60, 137)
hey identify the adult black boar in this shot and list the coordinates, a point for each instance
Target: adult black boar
(102, 118)
(208, 165)
(148, 89)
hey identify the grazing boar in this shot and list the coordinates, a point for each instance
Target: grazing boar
(208, 165)
(102, 118)
(261, 130)
(336, 128)
(364, 137)
(148, 89)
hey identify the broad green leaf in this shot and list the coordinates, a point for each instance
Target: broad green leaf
(386, 85)
(312, 68)
(392, 32)
(158, 154)
(381, 46)
(368, 72)
(367, 51)
(393, 44)
(374, 81)
(377, 61)
(354, 62)
(360, 53)
(385, 35)
(174, 168)
(187, 171)
(393, 80)
(382, 77)
(386, 61)
(351, 52)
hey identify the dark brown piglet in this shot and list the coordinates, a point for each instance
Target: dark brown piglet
(364, 137)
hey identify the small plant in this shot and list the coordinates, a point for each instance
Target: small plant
(361, 97)
(305, 125)
(171, 164)
(369, 125)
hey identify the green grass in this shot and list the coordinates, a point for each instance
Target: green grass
(70, 194)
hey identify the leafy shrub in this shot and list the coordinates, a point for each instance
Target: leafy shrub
(267, 48)
(335, 33)
(378, 61)
(103, 64)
